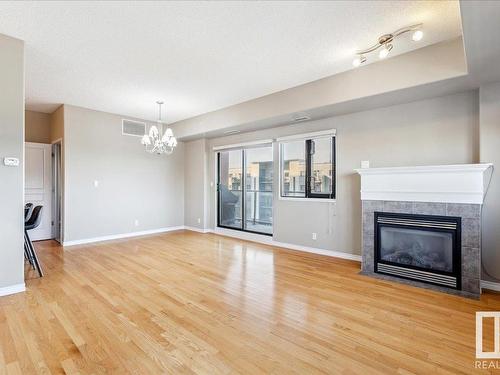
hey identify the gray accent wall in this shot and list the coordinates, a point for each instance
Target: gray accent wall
(442, 130)
(11, 145)
(195, 183)
(132, 184)
(490, 153)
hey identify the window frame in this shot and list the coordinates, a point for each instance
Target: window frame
(308, 194)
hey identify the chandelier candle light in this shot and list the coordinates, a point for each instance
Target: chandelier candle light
(154, 142)
(385, 43)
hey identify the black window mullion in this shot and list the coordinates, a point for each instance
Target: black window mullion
(334, 169)
(243, 190)
(218, 189)
(308, 168)
(309, 171)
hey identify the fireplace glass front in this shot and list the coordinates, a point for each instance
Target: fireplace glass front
(426, 248)
(418, 248)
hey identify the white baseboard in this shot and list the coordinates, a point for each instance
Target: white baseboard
(200, 230)
(315, 250)
(121, 235)
(491, 285)
(17, 288)
(268, 240)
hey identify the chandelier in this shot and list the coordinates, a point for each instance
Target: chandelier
(156, 143)
(385, 43)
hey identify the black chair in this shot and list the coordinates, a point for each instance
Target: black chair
(28, 210)
(32, 223)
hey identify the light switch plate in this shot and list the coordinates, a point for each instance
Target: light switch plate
(365, 163)
(11, 162)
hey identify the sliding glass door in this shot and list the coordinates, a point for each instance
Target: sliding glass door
(245, 189)
(230, 189)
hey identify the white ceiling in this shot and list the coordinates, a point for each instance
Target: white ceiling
(121, 57)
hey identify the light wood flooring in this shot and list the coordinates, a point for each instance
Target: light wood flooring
(184, 302)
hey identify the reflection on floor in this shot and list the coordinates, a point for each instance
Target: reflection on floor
(185, 302)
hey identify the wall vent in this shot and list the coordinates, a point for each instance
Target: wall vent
(133, 128)
(298, 117)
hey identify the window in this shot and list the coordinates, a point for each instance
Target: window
(293, 164)
(308, 168)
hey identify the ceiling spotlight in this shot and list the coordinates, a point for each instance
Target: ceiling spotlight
(358, 60)
(384, 43)
(384, 52)
(417, 35)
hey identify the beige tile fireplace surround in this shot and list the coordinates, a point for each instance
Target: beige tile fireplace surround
(434, 197)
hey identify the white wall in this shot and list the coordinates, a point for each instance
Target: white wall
(440, 130)
(133, 184)
(490, 153)
(11, 178)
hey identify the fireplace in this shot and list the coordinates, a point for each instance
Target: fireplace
(425, 248)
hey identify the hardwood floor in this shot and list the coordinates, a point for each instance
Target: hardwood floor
(185, 302)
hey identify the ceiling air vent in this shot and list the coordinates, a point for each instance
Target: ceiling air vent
(298, 117)
(133, 128)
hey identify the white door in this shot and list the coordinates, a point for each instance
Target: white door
(38, 185)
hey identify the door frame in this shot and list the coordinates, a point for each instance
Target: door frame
(57, 190)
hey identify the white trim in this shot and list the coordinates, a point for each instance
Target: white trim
(427, 168)
(199, 230)
(12, 289)
(58, 140)
(244, 144)
(315, 250)
(267, 240)
(490, 285)
(121, 235)
(322, 133)
(308, 200)
(462, 183)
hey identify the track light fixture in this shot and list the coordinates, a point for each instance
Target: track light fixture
(385, 43)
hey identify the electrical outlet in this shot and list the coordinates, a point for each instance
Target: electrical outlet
(199, 221)
(315, 236)
(136, 222)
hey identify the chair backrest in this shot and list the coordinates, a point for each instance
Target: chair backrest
(35, 219)
(28, 210)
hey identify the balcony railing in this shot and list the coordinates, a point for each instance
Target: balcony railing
(258, 206)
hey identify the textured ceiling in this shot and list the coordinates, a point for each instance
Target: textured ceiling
(121, 57)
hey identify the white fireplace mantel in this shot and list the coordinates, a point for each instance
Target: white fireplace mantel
(464, 183)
